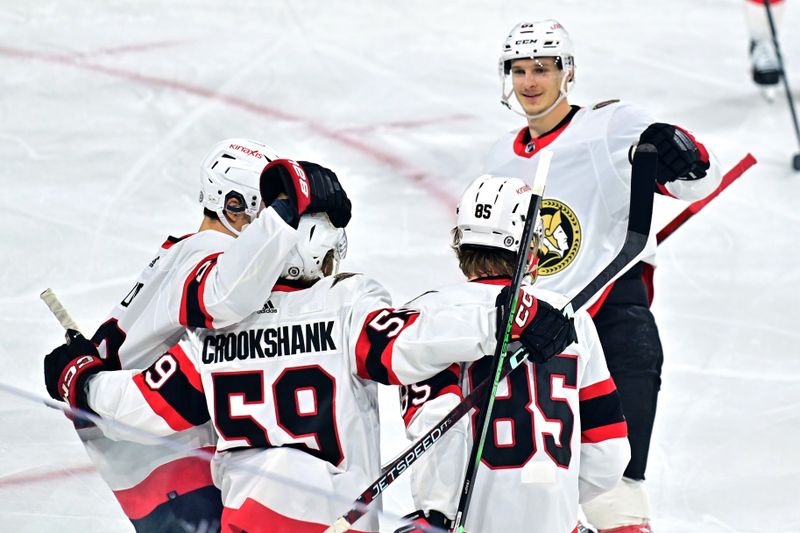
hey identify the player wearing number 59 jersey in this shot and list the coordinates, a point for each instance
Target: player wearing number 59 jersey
(292, 389)
(557, 434)
(211, 278)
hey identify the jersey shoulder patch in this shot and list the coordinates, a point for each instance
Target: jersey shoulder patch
(605, 103)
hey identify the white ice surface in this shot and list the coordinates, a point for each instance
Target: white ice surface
(108, 107)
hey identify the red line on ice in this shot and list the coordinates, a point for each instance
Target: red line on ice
(397, 164)
(143, 47)
(408, 124)
(46, 476)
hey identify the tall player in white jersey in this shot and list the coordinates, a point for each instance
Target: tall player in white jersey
(557, 433)
(291, 390)
(212, 278)
(585, 215)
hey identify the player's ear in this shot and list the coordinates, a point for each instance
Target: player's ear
(234, 209)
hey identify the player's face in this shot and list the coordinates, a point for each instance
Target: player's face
(536, 82)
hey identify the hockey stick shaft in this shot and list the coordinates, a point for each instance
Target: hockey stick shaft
(695, 207)
(508, 309)
(789, 98)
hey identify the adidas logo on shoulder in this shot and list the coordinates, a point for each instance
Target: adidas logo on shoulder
(268, 308)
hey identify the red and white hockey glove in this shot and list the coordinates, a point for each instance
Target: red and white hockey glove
(67, 368)
(422, 523)
(310, 187)
(680, 155)
(541, 328)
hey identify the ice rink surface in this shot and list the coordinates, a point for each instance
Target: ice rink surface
(108, 107)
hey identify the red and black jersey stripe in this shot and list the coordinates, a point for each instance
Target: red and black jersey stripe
(601, 413)
(416, 395)
(376, 341)
(173, 389)
(193, 312)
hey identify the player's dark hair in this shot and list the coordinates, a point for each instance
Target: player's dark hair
(210, 214)
(482, 261)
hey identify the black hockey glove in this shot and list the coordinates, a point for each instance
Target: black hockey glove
(680, 156)
(310, 187)
(327, 194)
(541, 328)
(420, 523)
(67, 368)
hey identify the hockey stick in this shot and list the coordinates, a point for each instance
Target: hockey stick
(644, 178)
(695, 207)
(508, 310)
(645, 161)
(796, 158)
(61, 314)
(402, 462)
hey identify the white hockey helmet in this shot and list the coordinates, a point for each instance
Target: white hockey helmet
(232, 169)
(529, 40)
(317, 237)
(492, 212)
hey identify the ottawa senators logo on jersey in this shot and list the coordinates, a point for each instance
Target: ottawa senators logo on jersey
(561, 237)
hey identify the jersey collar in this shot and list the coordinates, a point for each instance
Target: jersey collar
(493, 280)
(285, 285)
(525, 146)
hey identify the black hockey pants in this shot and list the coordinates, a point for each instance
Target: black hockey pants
(632, 347)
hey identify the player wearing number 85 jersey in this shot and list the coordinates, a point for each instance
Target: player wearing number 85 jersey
(292, 389)
(557, 433)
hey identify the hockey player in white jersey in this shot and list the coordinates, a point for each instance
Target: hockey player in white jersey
(585, 214)
(557, 433)
(292, 389)
(211, 278)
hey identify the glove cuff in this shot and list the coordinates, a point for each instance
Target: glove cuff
(287, 211)
(73, 378)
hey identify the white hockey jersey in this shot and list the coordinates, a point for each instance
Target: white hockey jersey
(557, 434)
(201, 280)
(587, 196)
(292, 390)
